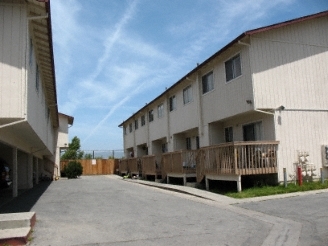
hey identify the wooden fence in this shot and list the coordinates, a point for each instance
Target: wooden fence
(96, 167)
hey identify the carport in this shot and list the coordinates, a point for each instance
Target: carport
(22, 167)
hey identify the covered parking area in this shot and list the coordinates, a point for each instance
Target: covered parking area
(24, 168)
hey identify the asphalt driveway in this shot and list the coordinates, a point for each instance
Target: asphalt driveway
(107, 210)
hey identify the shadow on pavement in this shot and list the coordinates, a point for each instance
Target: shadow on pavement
(25, 199)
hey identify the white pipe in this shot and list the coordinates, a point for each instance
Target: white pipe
(243, 43)
(264, 112)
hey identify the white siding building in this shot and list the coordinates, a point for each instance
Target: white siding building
(268, 84)
(29, 119)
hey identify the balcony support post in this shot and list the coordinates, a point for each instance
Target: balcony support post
(239, 183)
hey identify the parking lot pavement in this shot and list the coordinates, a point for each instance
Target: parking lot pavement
(107, 210)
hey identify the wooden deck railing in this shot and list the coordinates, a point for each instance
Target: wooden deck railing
(134, 165)
(123, 166)
(235, 158)
(239, 158)
(151, 165)
(180, 162)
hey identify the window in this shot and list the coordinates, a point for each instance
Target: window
(173, 103)
(143, 120)
(136, 124)
(207, 82)
(130, 127)
(37, 78)
(233, 68)
(228, 134)
(160, 110)
(188, 143)
(187, 95)
(150, 115)
(124, 130)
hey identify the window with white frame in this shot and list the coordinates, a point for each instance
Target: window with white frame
(207, 82)
(187, 94)
(173, 103)
(136, 124)
(143, 120)
(228, 134)
(150, 115)
(160, 110)
(233, 68)
(130, 127)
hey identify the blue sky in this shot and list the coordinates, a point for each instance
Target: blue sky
(114, 56)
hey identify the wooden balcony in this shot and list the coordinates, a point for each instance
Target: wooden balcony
(123, 166)
(238, 158)
(151, 166)
(134, 166)
(180, 164)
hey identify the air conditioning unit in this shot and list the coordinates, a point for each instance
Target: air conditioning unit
(325, 155)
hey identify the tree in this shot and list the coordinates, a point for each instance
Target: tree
(73, 152)
(73, 169)
(88, 156)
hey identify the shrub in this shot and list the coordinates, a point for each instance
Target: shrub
(73, 169)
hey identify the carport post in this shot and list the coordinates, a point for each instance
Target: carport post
(30, 171)
(14, 173)
(36, 170)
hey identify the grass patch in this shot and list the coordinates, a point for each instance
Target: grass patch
(279, 189)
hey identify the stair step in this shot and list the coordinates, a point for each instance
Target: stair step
(17, 220)
(15, 236)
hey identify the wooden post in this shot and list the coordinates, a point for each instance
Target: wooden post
(236, 159)
(299, 174)
(239, 183)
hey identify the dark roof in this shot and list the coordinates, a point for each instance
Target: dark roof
(240, 37)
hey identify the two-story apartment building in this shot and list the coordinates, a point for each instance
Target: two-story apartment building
(29, 118)
(268, 84)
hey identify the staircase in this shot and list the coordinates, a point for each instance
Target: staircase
(15, 228)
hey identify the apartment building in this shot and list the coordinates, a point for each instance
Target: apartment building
(268, 84)
(29, 120)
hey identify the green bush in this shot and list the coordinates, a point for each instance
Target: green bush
(73, 169)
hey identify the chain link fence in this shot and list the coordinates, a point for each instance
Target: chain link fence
(103, 154)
